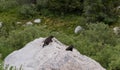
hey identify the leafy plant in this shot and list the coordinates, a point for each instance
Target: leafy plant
(5, 5)
(28, 11)
(65, 6)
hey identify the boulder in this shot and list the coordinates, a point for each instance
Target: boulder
(78, 29)
(52, 57)
(37, 21)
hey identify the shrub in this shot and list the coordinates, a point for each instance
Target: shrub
(115, 58)
(114, 62)
(1, 65)
(109, 57)
(5, 5)
(42, 3)
(22, 2)
(64, 6)
(27, 11)
(7, 27)
(101, 11)
(4, 35)
(93, 11)
(95, 38)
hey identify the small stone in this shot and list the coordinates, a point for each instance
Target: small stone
(118, 7)
(37, 21)
(78, 29)
(0, 24)
(29, 23)
(18, 22)
(116, 30)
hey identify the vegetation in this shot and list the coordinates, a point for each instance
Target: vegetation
(59, 18)
(97, 10)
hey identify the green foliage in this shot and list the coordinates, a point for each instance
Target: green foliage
(5, 5)
(27, 11)
(1, 65)
(101, 10)
(99, 42)
(95, 38)
(5, 31)
(111, 10)
(115, 58)
(109, 57)
(65, 6)
(22, 2)
(93, 10)
(42, 4)
(7, 27)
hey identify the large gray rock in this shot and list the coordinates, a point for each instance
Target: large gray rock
(52, 57)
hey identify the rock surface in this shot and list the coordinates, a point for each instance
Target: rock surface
(52, 57)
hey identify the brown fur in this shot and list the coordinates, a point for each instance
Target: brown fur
(47, 40)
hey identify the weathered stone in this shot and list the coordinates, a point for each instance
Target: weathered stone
(116, 30)
(52, 57)
(37, 21)
(78, 29)
(28, 23)
(0, 24)
(18, 22)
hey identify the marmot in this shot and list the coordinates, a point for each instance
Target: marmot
(70, 48)
(47, 40)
